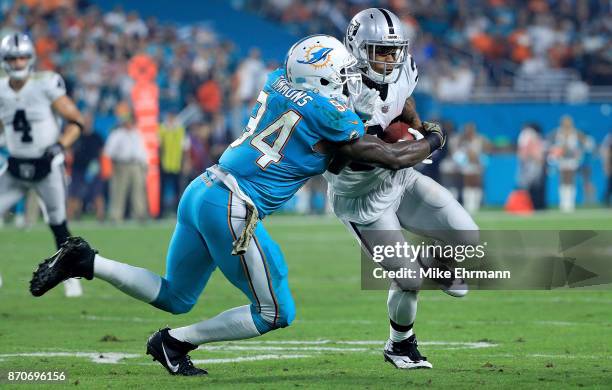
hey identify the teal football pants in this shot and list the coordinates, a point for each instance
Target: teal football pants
(209, 218)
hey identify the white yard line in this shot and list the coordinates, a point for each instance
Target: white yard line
(119, 319)
(226, 347)
(378, 343)
(249, 359)
(96, 357)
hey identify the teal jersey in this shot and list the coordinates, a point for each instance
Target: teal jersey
(275, 156)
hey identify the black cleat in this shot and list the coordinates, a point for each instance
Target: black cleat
(74, 259)
(405, 355)
(172, 354)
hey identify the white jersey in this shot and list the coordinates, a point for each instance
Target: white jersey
(29, 122)
(349, 183)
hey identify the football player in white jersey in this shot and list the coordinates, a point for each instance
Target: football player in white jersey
(29, 102)
(371, 199)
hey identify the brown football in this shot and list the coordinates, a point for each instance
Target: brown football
(397, 131)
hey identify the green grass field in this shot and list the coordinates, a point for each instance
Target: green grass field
(496, 339)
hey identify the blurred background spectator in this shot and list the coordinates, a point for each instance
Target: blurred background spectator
(450, 172)
(86, 185)
(471, 151)
(173, 144)
(126, 150)
(566, 151)
(531, 150)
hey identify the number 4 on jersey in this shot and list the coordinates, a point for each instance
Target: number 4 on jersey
(21, 124)
(284, 125)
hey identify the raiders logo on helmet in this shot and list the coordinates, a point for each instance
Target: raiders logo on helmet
(352, 30)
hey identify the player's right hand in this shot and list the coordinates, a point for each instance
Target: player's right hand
(437, 130)
(365, 104)
(52, 151)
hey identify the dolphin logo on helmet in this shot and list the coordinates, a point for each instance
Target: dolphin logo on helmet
(319, 57)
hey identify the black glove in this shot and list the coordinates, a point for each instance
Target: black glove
(52, 151)
(435, 135)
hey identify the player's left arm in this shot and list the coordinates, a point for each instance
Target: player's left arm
(410, 115)
(66, 108)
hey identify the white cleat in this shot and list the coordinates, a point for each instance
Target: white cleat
(458, 288)
(455, 287)
(72, 288)
(405, 355)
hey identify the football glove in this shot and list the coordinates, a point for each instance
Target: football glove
(432, 130)
(52, 151)
(365, 104)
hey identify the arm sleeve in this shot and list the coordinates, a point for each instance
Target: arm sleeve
(336, 123)
(54, 87)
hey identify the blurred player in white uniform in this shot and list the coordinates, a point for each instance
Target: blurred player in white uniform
(567, 152)
(375, 199)
(29, 102)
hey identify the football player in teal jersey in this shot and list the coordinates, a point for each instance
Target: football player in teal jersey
(299, 123)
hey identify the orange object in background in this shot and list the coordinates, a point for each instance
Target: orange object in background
(210, 96)
(145, 102)
(484, 43)
(45, 48)
(519, 202)
(48, 5)
(106, 167)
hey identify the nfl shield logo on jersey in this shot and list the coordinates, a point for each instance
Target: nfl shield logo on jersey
(27, 171)
(385, 109)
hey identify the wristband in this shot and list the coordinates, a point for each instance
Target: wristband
(434, 141)
(78, 124)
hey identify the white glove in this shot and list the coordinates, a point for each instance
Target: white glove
(365, 104)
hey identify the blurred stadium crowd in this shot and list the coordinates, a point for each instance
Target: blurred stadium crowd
(207, 89)
(480, 44)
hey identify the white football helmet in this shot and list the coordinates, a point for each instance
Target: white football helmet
(378, 31)
(322, 64)
(13, 46)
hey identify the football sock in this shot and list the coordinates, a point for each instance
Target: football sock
(137, 282)
(402, 307)
(233, 324)
(471, 199)
(399, 333)
(60, 233)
